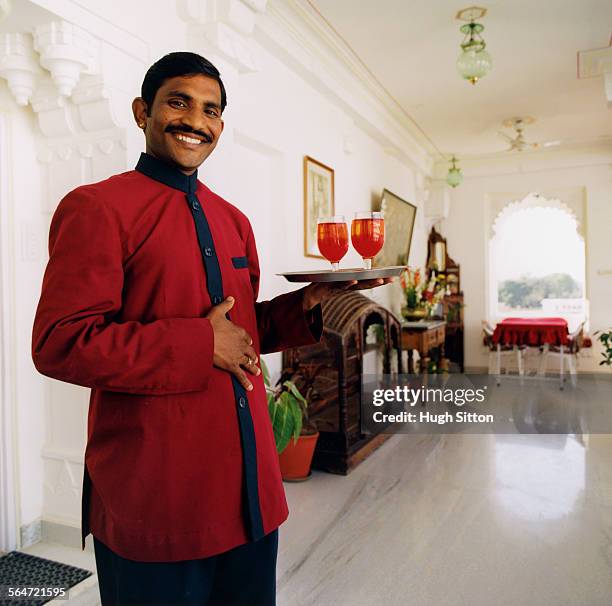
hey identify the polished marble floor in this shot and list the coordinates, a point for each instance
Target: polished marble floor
(455, 520)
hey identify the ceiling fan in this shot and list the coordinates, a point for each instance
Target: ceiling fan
(518, 143)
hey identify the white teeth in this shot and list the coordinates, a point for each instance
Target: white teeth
(188, 139)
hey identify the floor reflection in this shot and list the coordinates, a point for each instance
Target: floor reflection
(447, 520)
(539, 477)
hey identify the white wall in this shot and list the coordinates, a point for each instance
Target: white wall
(467, 232)
(26, 252)
(276, 115)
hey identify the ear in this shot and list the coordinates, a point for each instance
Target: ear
(139, 109)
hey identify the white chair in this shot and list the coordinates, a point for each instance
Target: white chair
(565, 355)
(499, 352)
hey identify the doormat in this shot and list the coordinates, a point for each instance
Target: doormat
(22, 570)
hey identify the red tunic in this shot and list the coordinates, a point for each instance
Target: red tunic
(122, 310)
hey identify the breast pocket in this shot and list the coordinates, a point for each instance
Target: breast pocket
(240, 280)
(240, 262)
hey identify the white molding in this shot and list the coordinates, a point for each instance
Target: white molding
(31, 533)
(19, 65)
(51, 109)
(510, 163)
(111, 33)
(297, 35)
(80, 158)
(437, 203)
(597, 62)
(238, 14)
(67, 51)
(58, 454)
(62, 483)
(223, 29)
(569, 199)
(63, 532)
(9, 464)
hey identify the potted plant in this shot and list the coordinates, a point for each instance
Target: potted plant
(295, 437)
(605, 338)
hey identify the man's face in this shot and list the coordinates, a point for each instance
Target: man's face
(184, 123)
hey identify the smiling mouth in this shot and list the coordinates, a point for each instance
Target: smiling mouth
(187, 139)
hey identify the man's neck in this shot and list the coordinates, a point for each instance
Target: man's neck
(167, 173)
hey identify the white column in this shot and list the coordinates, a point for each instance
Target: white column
(9, 516)
(82, 108)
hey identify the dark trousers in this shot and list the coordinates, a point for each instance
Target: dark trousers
(243, 576)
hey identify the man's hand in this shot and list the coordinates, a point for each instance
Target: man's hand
(233, 351)
(317, 292)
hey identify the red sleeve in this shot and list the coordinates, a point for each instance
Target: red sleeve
(75, 338)
(282, 322)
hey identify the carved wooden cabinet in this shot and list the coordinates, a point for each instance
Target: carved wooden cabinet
(338, 361)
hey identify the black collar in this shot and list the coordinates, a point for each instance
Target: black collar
(168, 175)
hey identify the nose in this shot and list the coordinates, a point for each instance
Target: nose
(197, 120)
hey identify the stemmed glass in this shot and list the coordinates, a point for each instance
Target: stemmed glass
(368, 235)
(332, 238)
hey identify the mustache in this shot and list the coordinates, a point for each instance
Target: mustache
(183, 128)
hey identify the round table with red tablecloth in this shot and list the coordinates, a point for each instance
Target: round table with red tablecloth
(533, 332)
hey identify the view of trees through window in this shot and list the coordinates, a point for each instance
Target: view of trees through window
(538, 263)
(528, 292)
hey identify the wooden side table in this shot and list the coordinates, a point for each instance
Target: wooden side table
(424, 336)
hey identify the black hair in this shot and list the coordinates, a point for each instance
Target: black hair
(178, 64)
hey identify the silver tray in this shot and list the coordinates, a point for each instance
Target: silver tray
(342, 275)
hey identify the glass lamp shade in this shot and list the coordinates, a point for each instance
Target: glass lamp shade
(473, 64)
(454, 177)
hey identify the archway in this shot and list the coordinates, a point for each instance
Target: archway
(537, 261)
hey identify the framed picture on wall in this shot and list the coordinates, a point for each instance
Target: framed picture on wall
(399, 217)
(318, 201)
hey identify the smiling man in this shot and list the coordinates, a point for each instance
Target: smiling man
(150, 299)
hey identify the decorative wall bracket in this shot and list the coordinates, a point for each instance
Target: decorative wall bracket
(597, 62)
(224, 28)
(66, 51)
(437, 203)
(19, 65)
(81, 104)
(45, 69)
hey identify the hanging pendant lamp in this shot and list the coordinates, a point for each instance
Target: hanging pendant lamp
(474, 62)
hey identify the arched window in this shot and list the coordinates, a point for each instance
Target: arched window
(537, 262)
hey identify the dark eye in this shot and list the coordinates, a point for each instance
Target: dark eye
(177, 103)
(213, 113)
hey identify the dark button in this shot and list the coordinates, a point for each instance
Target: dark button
(216, 299)
(242, 401)
(208, 251)
(195, 205)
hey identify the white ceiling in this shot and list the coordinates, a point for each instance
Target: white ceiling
(411, 47)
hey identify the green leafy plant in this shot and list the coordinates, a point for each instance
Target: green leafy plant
(287, 408)
(605, 338)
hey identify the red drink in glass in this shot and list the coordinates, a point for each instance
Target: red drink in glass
(368, 235)
(332, 237)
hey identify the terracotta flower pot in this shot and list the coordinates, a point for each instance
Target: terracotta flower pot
(295, 460)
